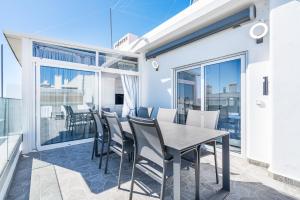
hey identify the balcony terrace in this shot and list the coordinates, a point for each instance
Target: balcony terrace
(69, 173)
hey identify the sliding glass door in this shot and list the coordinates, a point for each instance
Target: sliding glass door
(65, 97)
(213, 86)
(188, 92)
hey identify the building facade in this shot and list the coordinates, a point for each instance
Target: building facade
(252, 82)
(207, 57)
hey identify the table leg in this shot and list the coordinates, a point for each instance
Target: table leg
(226, 163)
(176, 176)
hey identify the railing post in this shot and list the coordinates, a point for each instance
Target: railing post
(2, 70)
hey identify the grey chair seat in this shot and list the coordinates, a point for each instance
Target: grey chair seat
(155, 171)
(190, 156)
(127, 145)
(103, 137)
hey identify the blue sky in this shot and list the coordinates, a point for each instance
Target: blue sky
(81, 21)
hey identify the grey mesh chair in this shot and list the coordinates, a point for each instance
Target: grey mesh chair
(145, 112)
(166, 115)
(101, 135)
(204, 119)
(150, 154)
(118, 142)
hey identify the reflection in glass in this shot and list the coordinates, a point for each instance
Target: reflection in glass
(222, 92)
(115, 61)
(65, 99)
(188, 92)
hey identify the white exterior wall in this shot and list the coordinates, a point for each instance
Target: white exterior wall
(285, 83)
(108, 91)
(157, 86)
(28, 96)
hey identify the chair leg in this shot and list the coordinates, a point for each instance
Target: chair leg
(94, 149)
(107, 155)
(120, 169)
(132, 180)
(101, 154)
(163, 184)
(216, 164)
(129, 157)
(197, 173)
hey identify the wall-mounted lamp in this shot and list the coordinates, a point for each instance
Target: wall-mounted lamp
(155, 65)
(266, 86)
(258, 31)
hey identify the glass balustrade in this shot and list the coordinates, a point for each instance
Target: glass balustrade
(10, 128)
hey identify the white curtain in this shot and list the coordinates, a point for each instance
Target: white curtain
(130, 87)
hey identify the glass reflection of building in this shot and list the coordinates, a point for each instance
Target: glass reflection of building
(221, 85)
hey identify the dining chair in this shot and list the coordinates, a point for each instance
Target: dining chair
(150, 153)
(145, 112)
(74, 119)
(67, 123)
(119, 142)
(101, 136)
(204, 119)
(167, 115)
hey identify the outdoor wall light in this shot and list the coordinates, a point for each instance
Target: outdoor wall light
(155, 65)
(265, 86)
(258, 31)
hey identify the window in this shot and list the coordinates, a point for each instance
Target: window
(213, 86)
(118, 62)
(66, 95)
(55, 52)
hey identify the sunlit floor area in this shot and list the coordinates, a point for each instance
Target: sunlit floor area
(69, 173)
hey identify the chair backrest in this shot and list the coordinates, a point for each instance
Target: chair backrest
(148, 140)
(67, 109)
(106, 109)
(70, 110)
(98, 123)
(203, 119)
(114, 127)
(167, 115)
(150, 111)
(144, 112)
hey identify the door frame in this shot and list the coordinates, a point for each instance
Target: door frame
(38, 62)
(243, 57)
(63, 65)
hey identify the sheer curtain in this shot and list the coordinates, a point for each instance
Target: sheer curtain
(130, 87)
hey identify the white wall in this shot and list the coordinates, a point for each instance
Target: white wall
(157, 86)
(108, 91)
(285, 83)
(110, 85)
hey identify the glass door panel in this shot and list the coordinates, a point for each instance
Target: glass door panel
(215, 86)
(223, 92)
(66, 95)
(188, 92)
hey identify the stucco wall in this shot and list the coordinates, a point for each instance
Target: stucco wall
(157, 86)
(285, 73)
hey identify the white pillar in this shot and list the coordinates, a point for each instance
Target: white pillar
(28, 96)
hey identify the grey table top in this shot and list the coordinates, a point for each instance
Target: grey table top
(182, 137)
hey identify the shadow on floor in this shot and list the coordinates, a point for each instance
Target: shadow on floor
(76, 174)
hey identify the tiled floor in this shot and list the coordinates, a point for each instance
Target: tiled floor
(68, 173)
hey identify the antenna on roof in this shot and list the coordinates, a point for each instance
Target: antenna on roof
(110, 23)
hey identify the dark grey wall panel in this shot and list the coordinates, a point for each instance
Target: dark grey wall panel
(228, 22)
